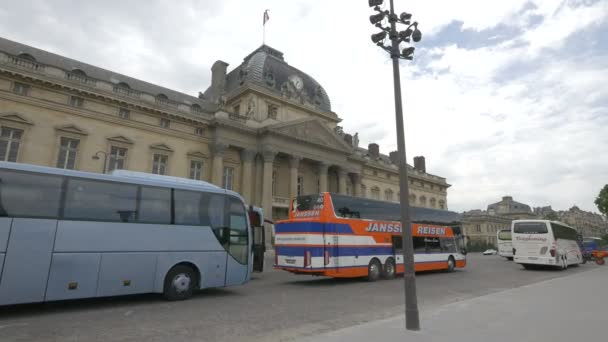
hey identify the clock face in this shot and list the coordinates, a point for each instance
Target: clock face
(296, 81)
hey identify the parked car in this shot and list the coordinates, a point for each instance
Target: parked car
(490, 252)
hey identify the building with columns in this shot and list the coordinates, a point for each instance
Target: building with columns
(264, 129)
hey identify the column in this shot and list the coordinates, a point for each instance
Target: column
(356, 184)
(342, 174)
(247, 157)
(294, 164)
(268, 156)
(323, 168)
(217, 166)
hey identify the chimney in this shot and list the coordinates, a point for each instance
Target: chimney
(394, 157)
(420, 164)
(349, 139)
(218, 80)
(374, 150)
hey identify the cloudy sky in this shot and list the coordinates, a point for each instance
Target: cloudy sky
(502, 98)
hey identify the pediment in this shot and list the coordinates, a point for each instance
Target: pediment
(313, 131)
(161, 147)
(197, 154)
(121, 139)
(71, 129)
(15, 117)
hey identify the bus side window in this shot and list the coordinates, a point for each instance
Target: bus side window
(100, 201)
(419, 244)
(397, 241)
(154, 205)
(29, 195)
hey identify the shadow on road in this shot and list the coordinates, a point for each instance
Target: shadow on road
(121, 302)
(307, 281)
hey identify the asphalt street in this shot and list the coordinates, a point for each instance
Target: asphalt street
(274, 306)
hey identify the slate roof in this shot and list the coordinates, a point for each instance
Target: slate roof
(68, 64)
(266, 62)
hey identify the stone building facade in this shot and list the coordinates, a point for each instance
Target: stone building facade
(512, 209)
(264, 129)
(481, 227)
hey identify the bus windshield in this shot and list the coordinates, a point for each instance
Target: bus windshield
(530, 228)
(504, 235)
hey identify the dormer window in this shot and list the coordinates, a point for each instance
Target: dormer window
(196, 109)
(27, 56)
(273, 111)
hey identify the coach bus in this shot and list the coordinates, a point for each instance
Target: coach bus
(545, 243)
(342, 236)
(68, 234)
(505, 247)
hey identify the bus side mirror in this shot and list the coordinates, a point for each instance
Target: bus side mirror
(255, 218)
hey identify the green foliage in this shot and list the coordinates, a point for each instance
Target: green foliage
(602, 200)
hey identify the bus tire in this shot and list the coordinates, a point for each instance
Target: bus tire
(451, 264)
(373, 270)
(510, 258)
(389, 270)
(528, 266)
(180, 283)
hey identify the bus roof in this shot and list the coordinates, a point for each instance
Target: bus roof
(545, 221)
(125, 176)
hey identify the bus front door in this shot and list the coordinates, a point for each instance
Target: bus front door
(259, 248)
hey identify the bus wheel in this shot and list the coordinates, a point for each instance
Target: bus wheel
(179, 283)
(389, 269)
(510, 258)
(373, 270)
(451, 264)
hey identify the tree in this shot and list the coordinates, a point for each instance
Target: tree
(602, 201)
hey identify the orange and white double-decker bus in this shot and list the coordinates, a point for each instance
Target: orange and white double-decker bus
(343, 236)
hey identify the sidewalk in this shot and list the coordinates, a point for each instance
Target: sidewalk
(569, 308)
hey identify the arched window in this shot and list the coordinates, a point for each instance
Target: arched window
(78, 72)
(412, 198)
(123, 85)
(376, 193)
(433, 202)
(423, 201)
(162, 97)
(441, 204)
(27, 56)
(196, 108)
(363, 191)
(388, 194)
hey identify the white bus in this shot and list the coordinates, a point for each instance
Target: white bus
(543, 242)
(505, 247)
(68, 234)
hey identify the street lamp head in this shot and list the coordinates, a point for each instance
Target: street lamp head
(374, 3)
(408, 53)
(376, 18)
(378, 37)
(405, 16)
(417, 35)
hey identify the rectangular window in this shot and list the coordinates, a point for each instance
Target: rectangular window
(124, 113)
(21, 89)
(100, 201)
(388, 195)
(199, 131)
(165, 123)
(68, 148)
(196, 169)
(376, 194)
(23, 194)
(76, 101)
(300, 186)
(154, 205)
(228, 178)
(118, 157)
(159, 165)
(10, 140)
(237, 109)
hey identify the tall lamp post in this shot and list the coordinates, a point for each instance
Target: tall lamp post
(105, 159)
(411, 33)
